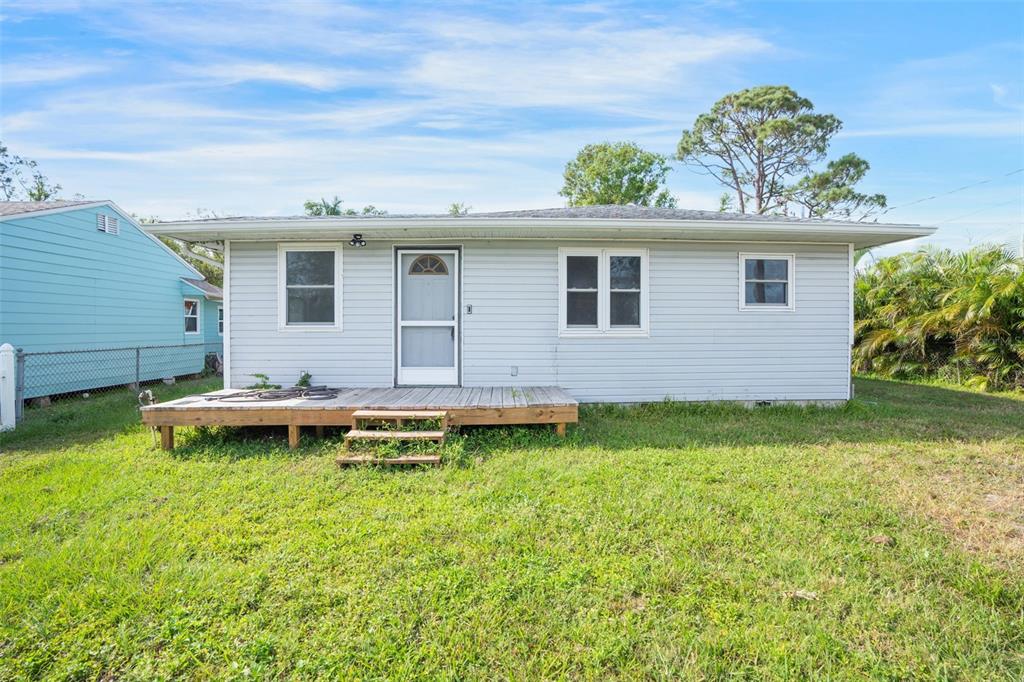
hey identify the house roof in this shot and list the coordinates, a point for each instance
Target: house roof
(578, 223)
(605, 212)
(13, 208)
(211, 291)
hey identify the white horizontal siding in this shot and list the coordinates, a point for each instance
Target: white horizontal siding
(358, 355)
(701, 346)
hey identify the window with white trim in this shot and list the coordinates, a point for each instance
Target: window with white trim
(191, 316)
(220, 320)
(309, 283)
(766, 281)
(603, 292)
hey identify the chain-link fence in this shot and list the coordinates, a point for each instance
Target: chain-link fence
(53, 374)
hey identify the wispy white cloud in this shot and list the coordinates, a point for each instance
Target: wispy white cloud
(306, 75)
(306, 27)
(541, 64)
(957, 124)
(972, 93)
(31, 73)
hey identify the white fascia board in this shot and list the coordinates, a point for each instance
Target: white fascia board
(862, 235)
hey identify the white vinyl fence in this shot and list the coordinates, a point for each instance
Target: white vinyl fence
(8, 388)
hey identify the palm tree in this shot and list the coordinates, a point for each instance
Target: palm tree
(938, 313)
(323, 207)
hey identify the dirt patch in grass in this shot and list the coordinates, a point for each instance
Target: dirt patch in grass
(974, 491)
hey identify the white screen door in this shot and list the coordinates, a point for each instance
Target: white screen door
(428, 312)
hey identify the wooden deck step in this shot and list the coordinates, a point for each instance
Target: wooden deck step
(348, 460)
(365, 419)
(399, 414)
(362, 434)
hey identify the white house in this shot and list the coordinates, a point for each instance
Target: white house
(610, 303)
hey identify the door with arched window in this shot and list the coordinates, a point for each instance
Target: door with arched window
(427, 317)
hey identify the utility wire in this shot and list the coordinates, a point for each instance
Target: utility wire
(1008, 231)
(952, 191)
(980, 210)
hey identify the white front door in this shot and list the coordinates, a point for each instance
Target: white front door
(428, 317)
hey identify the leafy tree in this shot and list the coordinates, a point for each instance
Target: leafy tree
(40, 189)
(200, 258)
(323, 207)
(762, 143)
(206, 261)
(21, 180)
(938, 313)
(458, 209)
(617, 173)
(831, 192)
(333, 207)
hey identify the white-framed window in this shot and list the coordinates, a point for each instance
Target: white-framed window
(309, 286)
(220, 320)
(191, 315)
(766, 281)
(108, 223)
(603, 292)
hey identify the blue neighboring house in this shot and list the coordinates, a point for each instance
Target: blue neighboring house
(83, 276)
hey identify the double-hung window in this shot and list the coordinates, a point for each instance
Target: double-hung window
(309, 286)
(220, 320)
(603, 292)
(191, 316)
(766, 281)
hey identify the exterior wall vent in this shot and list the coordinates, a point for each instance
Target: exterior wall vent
(108, 224)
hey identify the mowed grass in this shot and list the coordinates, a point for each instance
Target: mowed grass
(884, 539)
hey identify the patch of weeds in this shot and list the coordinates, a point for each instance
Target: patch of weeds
(482, 441)
(232, 443)
(263, 382)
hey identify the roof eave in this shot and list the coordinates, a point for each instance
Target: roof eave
(209, 295)
(58, 209)
(471, 221)
(862, 235)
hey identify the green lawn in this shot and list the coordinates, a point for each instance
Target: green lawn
(883, 539)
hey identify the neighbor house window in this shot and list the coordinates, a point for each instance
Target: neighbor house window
(310, 286)
(220, 320)
(766, 281)
(603, 292)
(191, 316)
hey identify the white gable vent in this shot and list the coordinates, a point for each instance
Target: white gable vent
(107, 223)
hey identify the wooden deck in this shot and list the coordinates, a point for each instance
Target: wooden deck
(464, 407)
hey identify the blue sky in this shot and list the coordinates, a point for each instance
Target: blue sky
(250, 108)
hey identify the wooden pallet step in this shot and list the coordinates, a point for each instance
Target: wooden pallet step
(399, 414)
(362, 434)
(390, 461)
